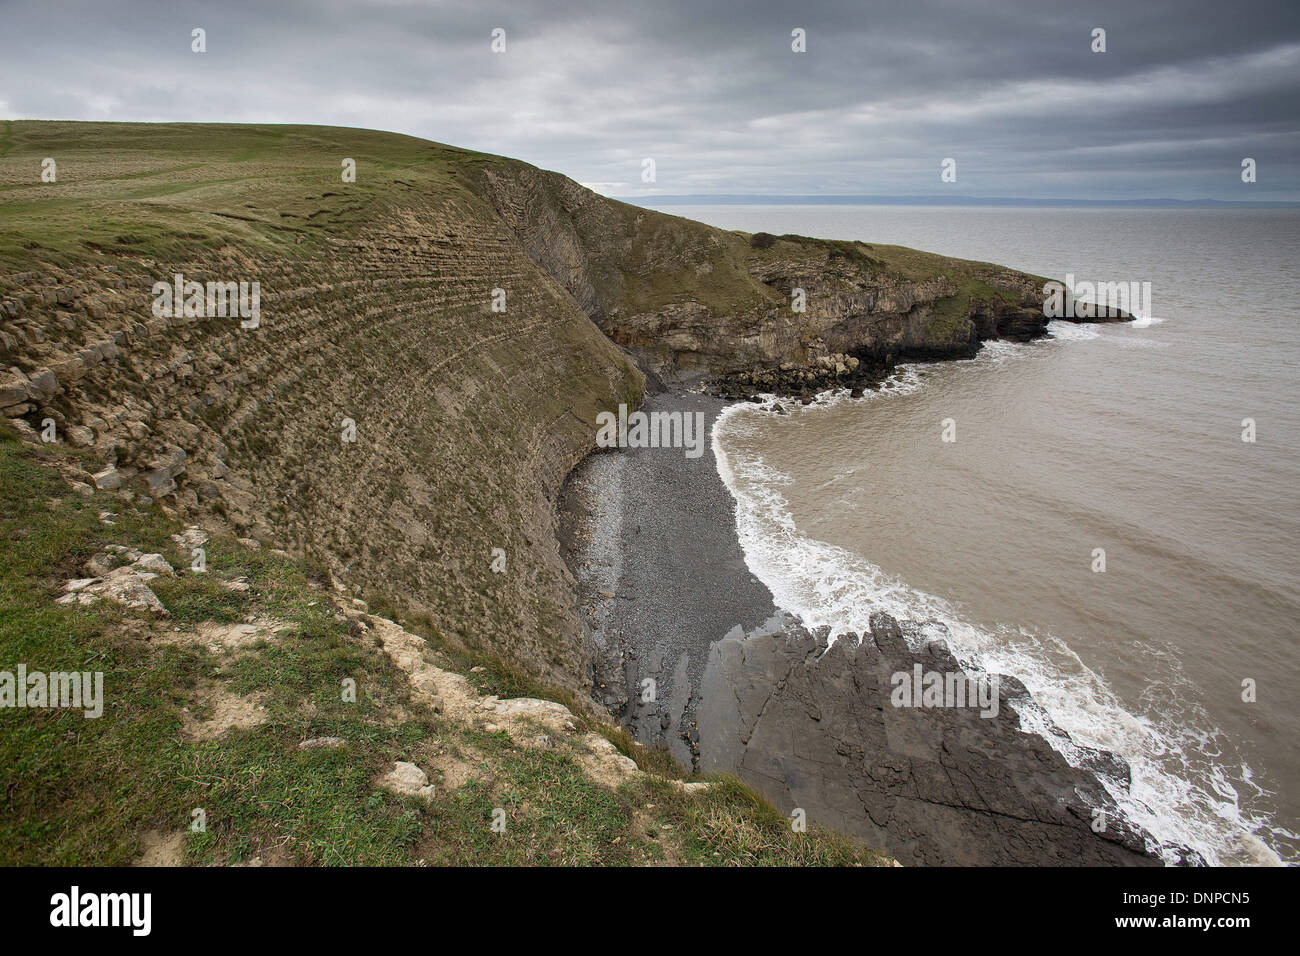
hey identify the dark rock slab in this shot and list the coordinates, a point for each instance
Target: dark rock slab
(813, 726)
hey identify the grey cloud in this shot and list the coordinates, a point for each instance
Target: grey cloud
(713, 92)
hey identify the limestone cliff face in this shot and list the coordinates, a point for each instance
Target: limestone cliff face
(689, 300)
(375, 306)
(376, 310)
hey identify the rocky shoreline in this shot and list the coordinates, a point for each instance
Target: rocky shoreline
(865, 368)
(689, 651)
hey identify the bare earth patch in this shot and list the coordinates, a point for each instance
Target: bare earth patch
(227, 710)
(162, 849)
(277, 855)
(218, 638)
(449, 772)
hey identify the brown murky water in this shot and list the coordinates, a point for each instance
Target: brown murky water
(1121, 438)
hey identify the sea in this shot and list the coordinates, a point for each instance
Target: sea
(1114, 518)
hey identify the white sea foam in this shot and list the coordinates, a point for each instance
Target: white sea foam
(1179, 793)
(1069, 332)
(1064, 331)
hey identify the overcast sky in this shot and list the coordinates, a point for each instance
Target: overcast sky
(713, 91)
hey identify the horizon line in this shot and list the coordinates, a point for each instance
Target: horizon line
(762, 199)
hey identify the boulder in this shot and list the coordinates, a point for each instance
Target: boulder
(154, 563)
(110, 479)
(13, 391)
(531, 707)
(192, 537)
(69, 369)
(170, 462)
(407, 779)
(42, 386)
(160, 483)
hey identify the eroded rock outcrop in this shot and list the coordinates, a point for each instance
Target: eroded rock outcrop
(690, 301)
(811, 723)
(381, 418)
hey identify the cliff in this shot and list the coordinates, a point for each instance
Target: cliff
(377, 322)
(691, 301)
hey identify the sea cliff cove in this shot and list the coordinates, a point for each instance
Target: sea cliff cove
(206, 459)
(504, 436)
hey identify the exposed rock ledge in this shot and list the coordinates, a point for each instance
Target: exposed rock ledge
(944, 785)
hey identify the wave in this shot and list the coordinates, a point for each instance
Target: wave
(1063, 331)
(824, 584)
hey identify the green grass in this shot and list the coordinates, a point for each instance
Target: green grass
(730, 824)
(175, 190)
(83, 791)
(540, 794)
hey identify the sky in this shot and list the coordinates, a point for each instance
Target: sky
(714, 93)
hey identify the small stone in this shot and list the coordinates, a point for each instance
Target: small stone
(110, 479)
(407, 778)
(160, 483)
(25, 431)
(42, 386)
(13, 391)
(155, 563)
(192, 537)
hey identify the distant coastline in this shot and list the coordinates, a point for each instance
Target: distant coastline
(729, 199)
